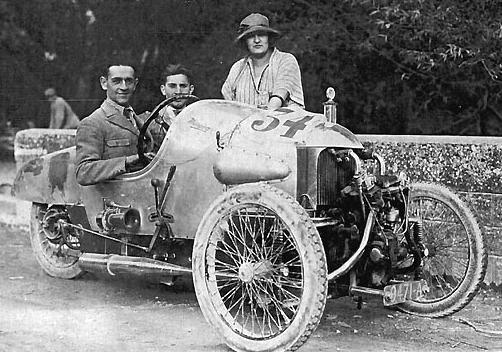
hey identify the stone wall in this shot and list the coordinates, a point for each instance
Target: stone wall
(471, 166)
(35, 142)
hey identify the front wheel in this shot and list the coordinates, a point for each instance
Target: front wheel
(455, 258)
(56, 248)
(259, 269)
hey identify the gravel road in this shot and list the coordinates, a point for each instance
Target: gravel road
(94, 313)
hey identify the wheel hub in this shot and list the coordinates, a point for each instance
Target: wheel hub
(248, 271)
(430, 250)
(51, 225)
(55, 227)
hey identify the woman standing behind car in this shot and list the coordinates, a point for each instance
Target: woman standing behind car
(265, 77)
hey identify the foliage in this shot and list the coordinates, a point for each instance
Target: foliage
(449, 52)
(398, 66)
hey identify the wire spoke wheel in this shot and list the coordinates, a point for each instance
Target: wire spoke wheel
(255, 270)
(56, 248)
(447, 254)
(455, 258)
(259, 273)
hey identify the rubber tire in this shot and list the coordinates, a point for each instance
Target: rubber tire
(51, 264)
(478, 258)
(309, 247)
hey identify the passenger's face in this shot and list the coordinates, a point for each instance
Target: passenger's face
(120, 84)
(257, 44)
(176, 85)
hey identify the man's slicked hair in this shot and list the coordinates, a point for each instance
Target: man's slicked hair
(106, 72)
(176, 69)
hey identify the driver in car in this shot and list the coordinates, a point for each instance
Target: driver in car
(176, 80)
(107, 139)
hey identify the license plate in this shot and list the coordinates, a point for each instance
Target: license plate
(403, 291)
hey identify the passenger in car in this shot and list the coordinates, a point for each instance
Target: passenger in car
(107, 139)
(266, 77)
(176, 80)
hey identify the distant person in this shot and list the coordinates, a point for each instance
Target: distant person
(265, 77)
(62, 115)
(176, 80)
(107, 139)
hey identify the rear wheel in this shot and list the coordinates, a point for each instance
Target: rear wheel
(455, 257)
(259, 270)
(56, 248)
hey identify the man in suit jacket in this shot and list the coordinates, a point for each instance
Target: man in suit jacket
(107, 139)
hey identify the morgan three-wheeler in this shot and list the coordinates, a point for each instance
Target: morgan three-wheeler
(269, 211)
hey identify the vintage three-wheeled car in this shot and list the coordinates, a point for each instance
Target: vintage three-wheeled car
(269, 211)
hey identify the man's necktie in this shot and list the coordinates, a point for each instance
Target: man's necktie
(129, 113)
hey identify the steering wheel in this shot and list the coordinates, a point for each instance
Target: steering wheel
(142, 140)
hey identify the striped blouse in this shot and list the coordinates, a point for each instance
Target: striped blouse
(282, 71)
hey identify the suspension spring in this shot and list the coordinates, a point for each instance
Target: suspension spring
(418, 232)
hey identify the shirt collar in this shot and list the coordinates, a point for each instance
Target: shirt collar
(112, 107)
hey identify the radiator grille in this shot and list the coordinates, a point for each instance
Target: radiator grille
(332, 177)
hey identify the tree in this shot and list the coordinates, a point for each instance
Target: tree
(449, 52)
(407, 66)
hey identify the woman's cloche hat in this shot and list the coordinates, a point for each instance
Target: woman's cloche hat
(255, 22)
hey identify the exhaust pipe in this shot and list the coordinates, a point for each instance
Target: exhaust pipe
(345, 267)
(119, 265)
